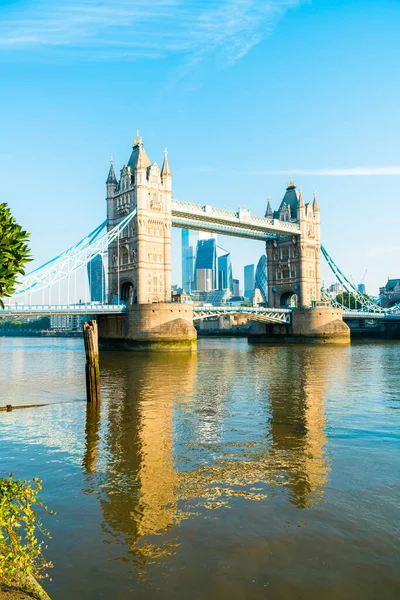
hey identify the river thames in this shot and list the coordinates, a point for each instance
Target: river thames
(237, 472)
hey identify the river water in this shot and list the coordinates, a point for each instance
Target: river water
(238, 472)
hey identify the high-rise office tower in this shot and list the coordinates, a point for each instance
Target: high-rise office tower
(206, 265)
(225, 281)
(189, 243)
(189, 250)
(249, 281)
(97, 279)
(236, 288)
(261, 279)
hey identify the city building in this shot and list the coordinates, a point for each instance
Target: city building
(189, 243)
(225, 280)
(179, 295)
(361, 289)
(236, 301)
(235, 287)
(390, 293)
(261, 279)
(66, 322)
(190, 240)
(336, 288)
(97, 279)
(249, 281)
(206, 265)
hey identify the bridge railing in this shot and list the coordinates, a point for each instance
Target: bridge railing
(61, 309)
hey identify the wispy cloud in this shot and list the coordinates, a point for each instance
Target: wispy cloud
(348, 172)
(133, 29)
(377, 252)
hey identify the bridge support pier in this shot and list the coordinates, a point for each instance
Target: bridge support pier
(150, 327)
(309, 326)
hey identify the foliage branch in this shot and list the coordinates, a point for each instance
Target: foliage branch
(14, 252)
(21, 558)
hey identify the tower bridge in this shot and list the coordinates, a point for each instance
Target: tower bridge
(137, 308)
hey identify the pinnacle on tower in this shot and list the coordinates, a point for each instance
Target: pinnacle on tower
(166, 171)
(315, 203)
(111, 173)
(291, 184)
(301, 201)
(139, 158)
(268, 212)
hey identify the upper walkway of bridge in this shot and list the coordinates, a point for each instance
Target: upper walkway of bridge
(220, 220)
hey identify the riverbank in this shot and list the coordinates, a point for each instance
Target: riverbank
(58, 334)
(15, 593)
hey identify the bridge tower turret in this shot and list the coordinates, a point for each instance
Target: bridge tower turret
(294, 261)
(140, 261)
(112, 185)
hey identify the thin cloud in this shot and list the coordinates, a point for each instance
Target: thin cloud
(376, 252)
(132, 29)
(349, 172)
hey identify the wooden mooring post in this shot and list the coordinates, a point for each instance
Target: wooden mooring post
(90, 337)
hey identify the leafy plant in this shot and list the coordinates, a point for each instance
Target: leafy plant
(14, 252)
(21, 558)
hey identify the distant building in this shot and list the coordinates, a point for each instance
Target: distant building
(190, 240)
(235, 287)
(225, 280)
(249, 281)
(206, 266)
(336, 288)
(180, 296)
(66, 322)
(189, 243)
(236, 301)
(261, 279)
(214, 297)
(361, 289)
(390, 293)
(97, 279)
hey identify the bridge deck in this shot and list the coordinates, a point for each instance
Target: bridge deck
(46, 310)
(216, 220)
(277, 315)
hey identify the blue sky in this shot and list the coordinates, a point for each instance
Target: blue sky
(244, 93)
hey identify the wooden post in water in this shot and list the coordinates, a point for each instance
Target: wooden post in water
(90, 337)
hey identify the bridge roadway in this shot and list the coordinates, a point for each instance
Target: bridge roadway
(187, 215)
(265, 315)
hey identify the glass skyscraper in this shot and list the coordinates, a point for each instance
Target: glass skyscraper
(249, 281)
(225, 281)
(97, 280)
(261, 278)
(190, 240)
(206, 265)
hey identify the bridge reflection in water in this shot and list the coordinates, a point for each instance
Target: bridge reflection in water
(189, 433)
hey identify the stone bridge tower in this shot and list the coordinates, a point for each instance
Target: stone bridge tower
(139, 267)
(294, 261)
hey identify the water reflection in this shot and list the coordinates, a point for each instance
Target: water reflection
(92, 437)
(196, 432)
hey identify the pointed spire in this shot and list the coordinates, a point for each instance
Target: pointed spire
(291, 184)
(139, 158)
(166, 171)
(301, 201)
(111, 173)
(315, 203)
(268, 212)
